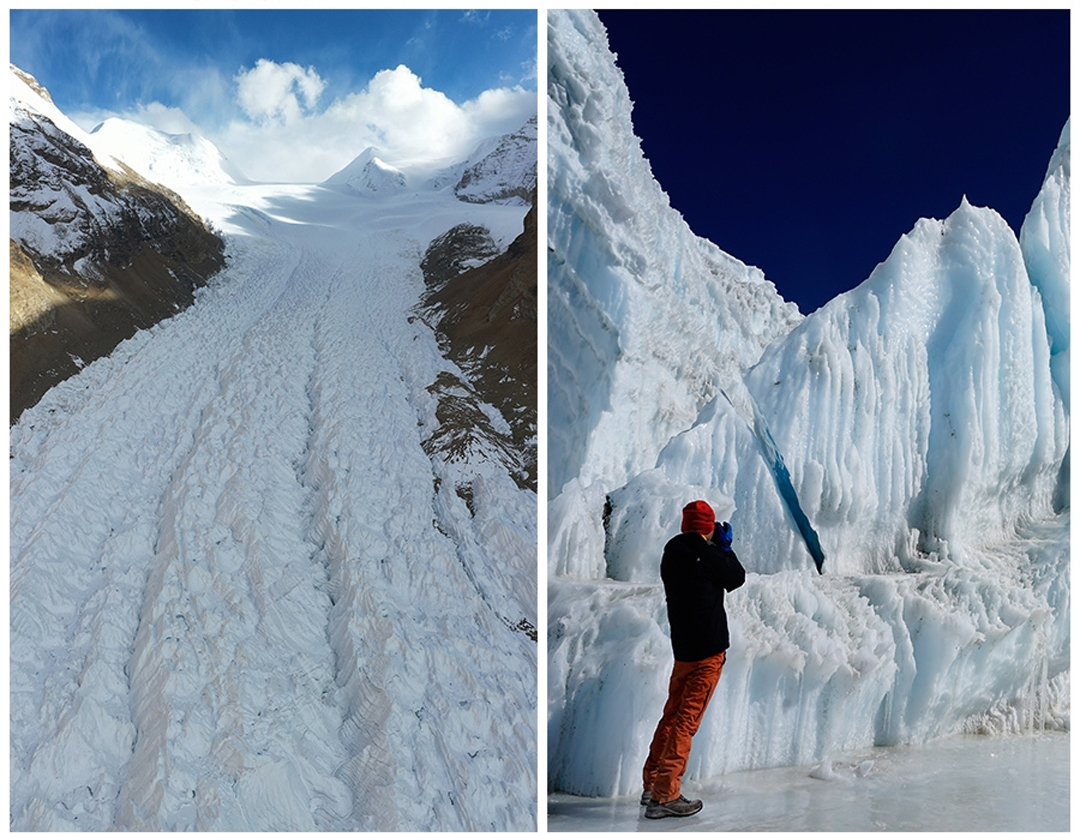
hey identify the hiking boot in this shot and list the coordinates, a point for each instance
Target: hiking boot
(677, 807)
(646, 797)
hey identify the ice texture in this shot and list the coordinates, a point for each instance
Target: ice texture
(634, 298)
(912, 436)
(954, 783)
(1044, 240)
(917, 411)
(243, 594)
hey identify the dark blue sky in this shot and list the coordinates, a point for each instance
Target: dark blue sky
(807, 142)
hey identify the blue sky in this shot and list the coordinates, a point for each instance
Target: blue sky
(256, 82)
(807, 142)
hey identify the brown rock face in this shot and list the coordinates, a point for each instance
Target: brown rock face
(131, 254)
(486, 319)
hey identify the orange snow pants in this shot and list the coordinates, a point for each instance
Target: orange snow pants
(691, 687)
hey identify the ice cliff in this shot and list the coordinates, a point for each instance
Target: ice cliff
(636, 302)
(913, 432)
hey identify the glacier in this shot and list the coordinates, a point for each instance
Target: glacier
(243, 595)
(913, 434)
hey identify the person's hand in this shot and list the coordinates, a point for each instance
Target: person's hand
(723, 535)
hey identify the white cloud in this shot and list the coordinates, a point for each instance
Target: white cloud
(282, 134)
(414, 127)
(271, 90)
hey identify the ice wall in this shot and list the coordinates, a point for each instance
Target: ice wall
(636, 302)
(1044, 240)
(924, 434)
(817, 664)
(917, 411)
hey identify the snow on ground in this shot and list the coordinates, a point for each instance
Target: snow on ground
(973, 783)
(240, 598)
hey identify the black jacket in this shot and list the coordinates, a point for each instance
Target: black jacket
(696, 573)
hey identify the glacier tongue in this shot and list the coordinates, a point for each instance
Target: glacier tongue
(921, 418)
(242, 595)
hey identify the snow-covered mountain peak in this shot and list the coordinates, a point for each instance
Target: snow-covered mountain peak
(506, 171)
(369, 175)
(177, 161)
(29, 100)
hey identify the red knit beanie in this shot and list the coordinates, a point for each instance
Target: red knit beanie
(698, 516)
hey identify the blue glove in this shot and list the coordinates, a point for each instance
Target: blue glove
(723, 536)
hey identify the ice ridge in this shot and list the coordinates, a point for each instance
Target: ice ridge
(636, 301)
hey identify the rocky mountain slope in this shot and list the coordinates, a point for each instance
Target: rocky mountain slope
(96, 252)
(485, 316)
(500, 169)
(506, 172)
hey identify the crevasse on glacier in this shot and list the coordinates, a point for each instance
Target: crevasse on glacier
(922, 419)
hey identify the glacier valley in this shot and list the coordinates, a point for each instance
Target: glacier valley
(895, 467)
(243, 594)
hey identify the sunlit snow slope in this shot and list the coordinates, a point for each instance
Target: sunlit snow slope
(242, 594)
(911, 436)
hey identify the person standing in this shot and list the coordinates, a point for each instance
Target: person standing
(697, 568)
